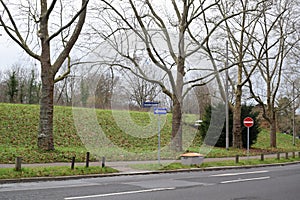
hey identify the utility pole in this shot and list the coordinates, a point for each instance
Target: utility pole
(294, 134)
(227, 101)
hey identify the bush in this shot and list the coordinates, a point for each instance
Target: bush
(213, 138)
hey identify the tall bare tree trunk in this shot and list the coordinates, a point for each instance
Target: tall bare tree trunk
(45, 135)
(176, 144)
(237, 129)
(178, 88)
(273, 125)
(177, 107)
(48, 71)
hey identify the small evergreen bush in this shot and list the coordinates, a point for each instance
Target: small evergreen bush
(210, 132)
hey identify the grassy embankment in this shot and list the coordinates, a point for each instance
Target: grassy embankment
(126, 136)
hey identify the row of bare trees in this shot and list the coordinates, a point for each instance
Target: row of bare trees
(261, 42)
(20, 85)
(93, 90)
(174, 45)
(177, 36)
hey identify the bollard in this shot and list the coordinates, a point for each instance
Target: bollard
(278, 156)
(262, 157)
(237, 159)
(103, 162)
(286, 155)
(87, 159)
(73, 162)
(18, 164)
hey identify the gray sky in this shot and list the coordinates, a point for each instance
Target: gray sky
(10, 53)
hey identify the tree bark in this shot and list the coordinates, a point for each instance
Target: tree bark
(177, 100)
(237, 129)
(45, 135)
(178, 88)
(176, 144)
(273, 125)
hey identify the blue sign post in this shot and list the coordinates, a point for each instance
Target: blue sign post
(159, 112)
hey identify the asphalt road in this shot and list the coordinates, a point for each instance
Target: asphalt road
(275, 183)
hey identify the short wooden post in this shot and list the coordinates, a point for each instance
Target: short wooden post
(286, 155)
(237, 159)
(73, 163)
(293, 155)
(103, 162)
(278, 156)
(18, 164)
(262, 157)
(87, 159)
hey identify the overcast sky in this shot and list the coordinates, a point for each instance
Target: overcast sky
(10, 53)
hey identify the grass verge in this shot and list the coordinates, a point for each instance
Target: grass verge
(176, 166)
(11, 173)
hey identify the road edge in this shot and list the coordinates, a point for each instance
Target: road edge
(62, 178)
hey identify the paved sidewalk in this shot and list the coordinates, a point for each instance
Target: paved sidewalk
(125, 166)
(121, 166)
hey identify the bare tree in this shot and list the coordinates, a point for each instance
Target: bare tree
(12, 87)
(203, 98)
(277, 28)
(33, 27)
(84, 90)
(285, 115)
(139, 89)
(104, 90)
(25, 83)
(251, 42)
(171, 35)
(34, 88)
(240, 32)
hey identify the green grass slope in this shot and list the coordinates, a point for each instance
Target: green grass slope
(19, 127)
(124, 136)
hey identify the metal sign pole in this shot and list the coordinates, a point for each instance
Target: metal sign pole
(158, 152)
(227, 101)
(159, 111)
(248, 142)
(294, 132)
(248, 122)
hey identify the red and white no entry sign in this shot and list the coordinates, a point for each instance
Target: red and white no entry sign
(248, 122)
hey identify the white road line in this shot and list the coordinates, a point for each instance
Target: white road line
(120, 193)
(45, 187)
(244, 180)
(241, 173)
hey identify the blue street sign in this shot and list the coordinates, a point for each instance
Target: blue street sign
(160, 111)
(149, 104)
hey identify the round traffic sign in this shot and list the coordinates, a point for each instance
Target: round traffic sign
(248, 122)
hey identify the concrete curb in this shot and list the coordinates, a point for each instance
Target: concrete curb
(62, 178)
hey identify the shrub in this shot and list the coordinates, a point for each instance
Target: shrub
(213, 138)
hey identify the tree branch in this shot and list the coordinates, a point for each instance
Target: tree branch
(69, 45)
(19, 40)
(81, 11)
